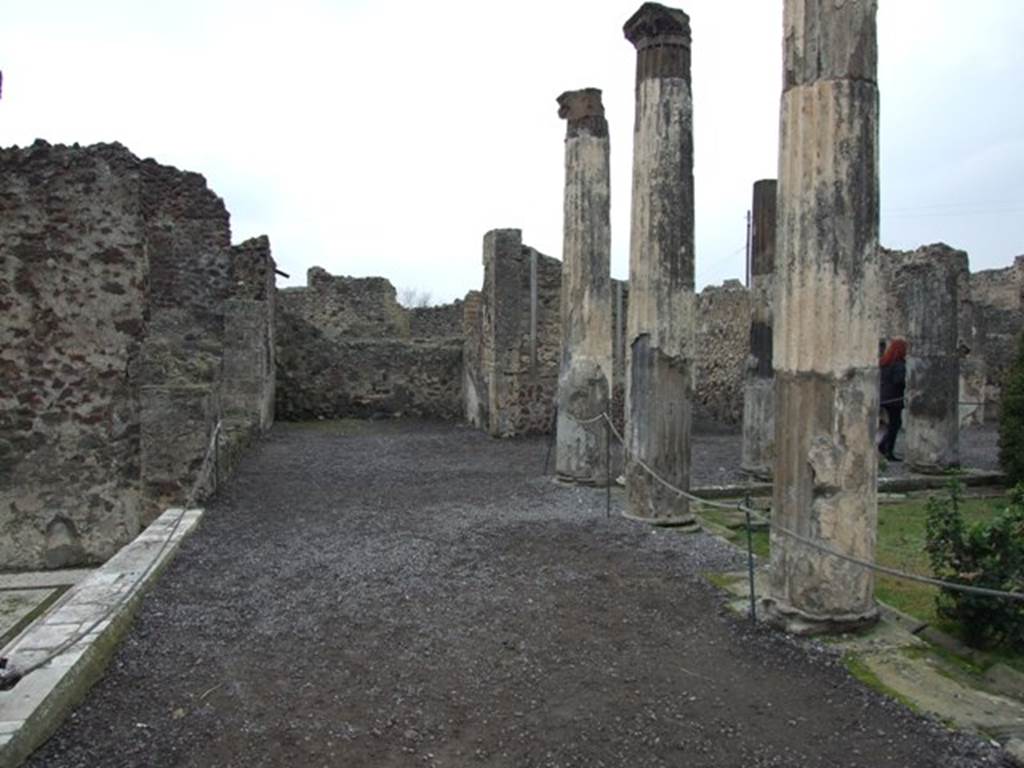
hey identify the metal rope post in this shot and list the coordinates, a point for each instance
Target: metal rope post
(554, 437)
(607, 471)
(750, 560)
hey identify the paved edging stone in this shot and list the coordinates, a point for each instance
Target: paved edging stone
(32, 710)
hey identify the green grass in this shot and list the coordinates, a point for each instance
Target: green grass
(901, 542)
(900, 545)
(861, 671)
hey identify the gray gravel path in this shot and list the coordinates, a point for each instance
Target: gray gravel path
(412, 594)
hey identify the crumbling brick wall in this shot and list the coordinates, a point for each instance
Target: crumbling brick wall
(72, 288)
(114, 274)
(521, 330)
(442, 321)
(996, 300)
(249, 367)
(723, 341)
(346, 348)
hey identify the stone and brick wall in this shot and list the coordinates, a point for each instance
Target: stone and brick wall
(996, 304)
(443, 321)
(114, 278)
(521, 334)
(723, 340)
(72, 288)
(346, 348)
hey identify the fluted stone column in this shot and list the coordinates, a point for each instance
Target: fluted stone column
(925, 285)
(758, 453)
(826, 320)
(584, 383)
(660, 327)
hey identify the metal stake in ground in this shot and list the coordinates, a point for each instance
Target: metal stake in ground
(750, 561)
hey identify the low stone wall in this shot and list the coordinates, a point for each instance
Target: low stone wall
(346, 348)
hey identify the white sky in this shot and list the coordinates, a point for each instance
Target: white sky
(375, 138)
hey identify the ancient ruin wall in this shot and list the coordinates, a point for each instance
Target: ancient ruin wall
(346, 348)
(249, 367)
(73, 320)
(188, 242)
(114, 278)
(441, 322)
(723, 332)
(997, 323)
(521, 333)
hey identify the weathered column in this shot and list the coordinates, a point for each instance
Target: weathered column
(926, 288)
(758, 453)
(584, 382)
(660, 328)
(826, 319)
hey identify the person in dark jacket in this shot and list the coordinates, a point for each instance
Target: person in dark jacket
(894, 383)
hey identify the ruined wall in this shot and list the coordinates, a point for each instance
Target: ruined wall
(347, 307)
(443, 321)
(989, 321)
(346, 348)
(723, 335)
(69, 345)
(188, 242)
(249, 368)
(996, 307)
(114, 275)
(521, 330)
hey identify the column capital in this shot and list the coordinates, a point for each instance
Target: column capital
(661, 37)
(584, 112)
(656, 25)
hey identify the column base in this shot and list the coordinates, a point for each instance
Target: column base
(589, 482)
(685, 523)
(758, 473)
(796, 622)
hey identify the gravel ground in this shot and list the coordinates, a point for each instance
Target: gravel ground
(412, 594)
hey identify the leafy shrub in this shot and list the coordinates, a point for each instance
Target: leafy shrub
(1011, 419)
(985, 554)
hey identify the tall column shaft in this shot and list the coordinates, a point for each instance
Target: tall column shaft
(584, 383)
(758, 450)
(660, 326)
(826, 318)
(926, 291)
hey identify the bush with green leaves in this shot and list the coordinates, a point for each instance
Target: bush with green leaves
(1011, 419)
(984, 554)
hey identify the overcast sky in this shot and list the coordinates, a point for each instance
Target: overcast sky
(385, 138)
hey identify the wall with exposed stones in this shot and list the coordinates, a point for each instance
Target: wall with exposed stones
(443, 321)
(520, 329)
(347, 348)
(997, 324)
(723, 340)
(114, 278)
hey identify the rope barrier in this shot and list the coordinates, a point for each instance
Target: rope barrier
(751, 512)
(10, 675)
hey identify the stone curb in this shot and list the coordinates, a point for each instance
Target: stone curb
(885, 484)
(33, 710)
